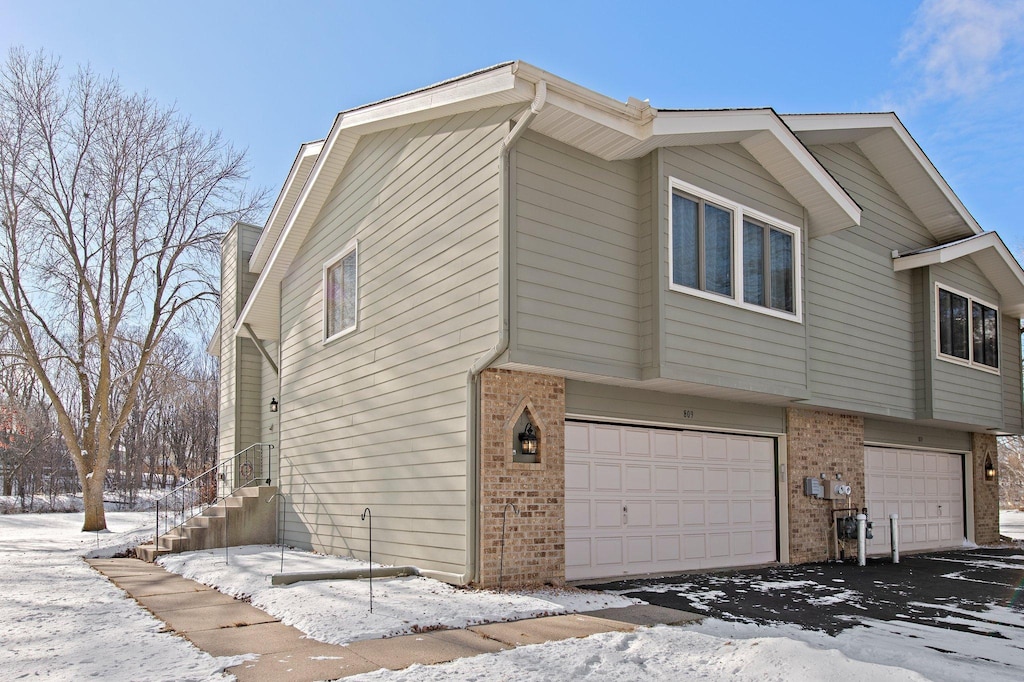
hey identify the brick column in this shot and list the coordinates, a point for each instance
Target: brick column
(534, 540)
(820, 442)
(986, 493)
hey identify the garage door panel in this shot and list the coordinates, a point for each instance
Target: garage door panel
(607, 477)
(925, 489)
(638, 477)
(608, 551)
(626, 511)
(607, 514)
(577, 514)
(667, 479)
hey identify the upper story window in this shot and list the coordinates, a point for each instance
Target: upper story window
(341, 277)
(968, 329)
(728, 252)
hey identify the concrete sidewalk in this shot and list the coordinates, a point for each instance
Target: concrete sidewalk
(224, 626)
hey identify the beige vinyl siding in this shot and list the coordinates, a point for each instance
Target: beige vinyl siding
(269, 388)
(713, 342)
(915, 435)
(614, 403)
(961, 393)
(239, 362)
(377, 418)
(228, 345)
(861, 314)
(650, 315)
(576, 260)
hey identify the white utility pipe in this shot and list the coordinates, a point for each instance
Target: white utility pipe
(862, 539)
(894, 536)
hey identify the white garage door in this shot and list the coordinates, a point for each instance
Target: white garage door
(641, 500)
(924, 488)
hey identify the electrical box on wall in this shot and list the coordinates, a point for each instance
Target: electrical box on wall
(813, 487)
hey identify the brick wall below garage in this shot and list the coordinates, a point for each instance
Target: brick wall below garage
(820, 442)
(534, 540)
(986, 493)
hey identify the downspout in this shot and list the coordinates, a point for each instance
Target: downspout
(504, 287)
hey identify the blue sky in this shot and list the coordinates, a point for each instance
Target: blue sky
(272, 75)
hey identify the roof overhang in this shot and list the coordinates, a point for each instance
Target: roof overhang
(989, 253)
(574, 115)
(893, 151)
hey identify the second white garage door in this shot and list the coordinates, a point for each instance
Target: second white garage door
(643, 500)
(924, 488)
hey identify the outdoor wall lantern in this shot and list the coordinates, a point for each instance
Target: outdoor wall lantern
(273, 404)
(990, 469)
(528, 441)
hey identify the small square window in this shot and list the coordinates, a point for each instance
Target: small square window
(341, 276)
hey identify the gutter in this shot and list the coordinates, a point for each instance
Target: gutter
(471, 573)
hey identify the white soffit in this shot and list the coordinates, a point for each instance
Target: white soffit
(889, 146)
(989, 253)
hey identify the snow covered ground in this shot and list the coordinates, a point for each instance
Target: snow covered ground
(1011, 523)
(60, 620)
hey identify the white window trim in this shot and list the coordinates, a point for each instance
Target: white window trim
(351, 247)
(739, 211)
(969, 362)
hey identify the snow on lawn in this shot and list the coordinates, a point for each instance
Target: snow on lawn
(659, 653)
(1011, 523)
(61, 620)
(338, 611)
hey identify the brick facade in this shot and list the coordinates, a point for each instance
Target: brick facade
(986, 493)
(820, 442)
(535, 539)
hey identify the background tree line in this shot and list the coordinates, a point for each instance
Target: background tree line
(170, 435)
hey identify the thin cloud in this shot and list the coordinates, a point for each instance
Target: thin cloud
(958, 50)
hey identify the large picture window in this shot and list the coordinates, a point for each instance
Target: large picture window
(733, 253)
(968, 329)
(341, 277)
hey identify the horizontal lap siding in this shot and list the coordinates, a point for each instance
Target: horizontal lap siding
(961, 393)
(583, 399)
(577, 281)
(377, 418)
(1010, 368)
(915, 435)
(861, 315)
(717, 343)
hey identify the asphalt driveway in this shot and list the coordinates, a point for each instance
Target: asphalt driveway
(950, 590)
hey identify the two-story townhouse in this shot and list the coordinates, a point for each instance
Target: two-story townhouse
(633, 338)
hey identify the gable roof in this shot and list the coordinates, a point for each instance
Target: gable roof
(989, 253)
(574, 115)
(885, 141)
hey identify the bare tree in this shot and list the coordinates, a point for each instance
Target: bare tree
(1011, 472)
(112, 208)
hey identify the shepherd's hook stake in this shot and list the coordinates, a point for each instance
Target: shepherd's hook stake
(277, 526)
(501, 563)
(366, 514)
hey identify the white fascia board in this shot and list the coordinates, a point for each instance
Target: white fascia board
(285, 203)
(870, 123)
(213, 348)
(1009, 280)
(763, 133)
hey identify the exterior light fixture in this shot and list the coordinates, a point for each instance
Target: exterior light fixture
(528, 441)
(990, 469)
(273, 404)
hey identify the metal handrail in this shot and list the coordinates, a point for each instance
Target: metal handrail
(194, 496)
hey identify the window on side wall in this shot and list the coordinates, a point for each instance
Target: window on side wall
(727, 252)
(341, 295)
(968, 329)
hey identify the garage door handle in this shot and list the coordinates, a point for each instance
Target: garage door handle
(625, 515)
